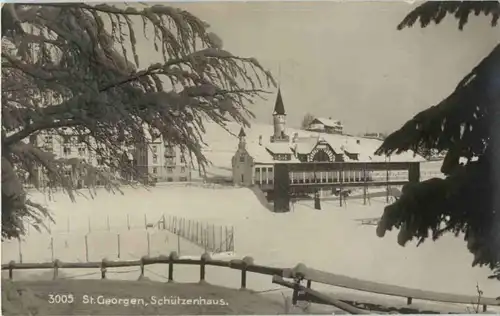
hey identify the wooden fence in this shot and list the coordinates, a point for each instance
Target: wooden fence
(297, 275)
(212, 238)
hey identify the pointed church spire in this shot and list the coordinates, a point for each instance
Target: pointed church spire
(279, 108)
(242, 133)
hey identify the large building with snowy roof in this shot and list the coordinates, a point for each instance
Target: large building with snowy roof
(326, 125)
(254, 160)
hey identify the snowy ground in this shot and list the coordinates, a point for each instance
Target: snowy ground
(331, 239)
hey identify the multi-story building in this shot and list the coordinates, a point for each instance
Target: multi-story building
(66, 146)
(153, 158)
(162, 161)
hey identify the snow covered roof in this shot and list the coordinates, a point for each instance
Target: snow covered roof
(305, 147)
(279, 108)
(260, 153)
(336, 146)
(279, 148)
(352, 148)
(328, 122)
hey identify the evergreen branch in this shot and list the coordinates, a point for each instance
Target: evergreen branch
(436, 11)
(38, 126)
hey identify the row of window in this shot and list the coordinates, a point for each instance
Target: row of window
(283, 157)
(346, 179)
(66, 139)
(324, 177)
(67, 150)
(169, 150)
(264, 175)
(169, 170)
(169, 160)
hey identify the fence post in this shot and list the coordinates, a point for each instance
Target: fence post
(12, 264)
(386, 181)
(204, 258)
(20, 250)
(171, 259)
(247, 261)
(221, 239)
(164, 223)
(103, 269)
(128, 221)
(205, 237)
(86, 248)
(232, 238)
(198, 232)
(56, 269)
(52, 248)
(118, 245)
(149, 243)
(145, 221)
(227, 239)
(178, 244)
(142, 268)
(213, 238)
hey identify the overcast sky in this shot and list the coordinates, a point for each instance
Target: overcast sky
(346, 60)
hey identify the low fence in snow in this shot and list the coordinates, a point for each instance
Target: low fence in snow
(111, 237)
(212, 238)
(295, 275)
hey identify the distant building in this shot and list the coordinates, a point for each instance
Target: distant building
(162, 161)
(152, 157)
(380, 136)
(254, 161)
(68, 145)
(327, 126)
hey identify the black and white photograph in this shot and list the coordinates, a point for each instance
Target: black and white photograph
(250, 158)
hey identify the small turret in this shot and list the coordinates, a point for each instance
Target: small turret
(279, 121)
(242, 138)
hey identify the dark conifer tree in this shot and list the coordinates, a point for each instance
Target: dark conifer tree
(75, 66)
(465, 125)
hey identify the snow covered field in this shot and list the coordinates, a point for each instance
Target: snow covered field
(331, 239)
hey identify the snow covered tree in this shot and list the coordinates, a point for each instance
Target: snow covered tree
(466, 126)
(75, 67)
(307, 120)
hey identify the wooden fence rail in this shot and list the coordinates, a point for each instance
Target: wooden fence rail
(301, 272)
(245, 265)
